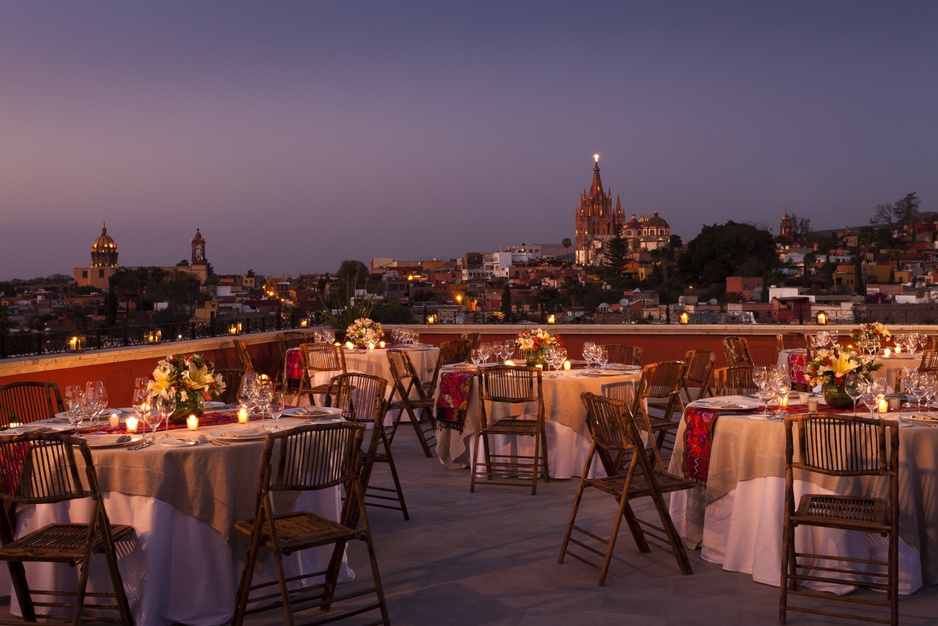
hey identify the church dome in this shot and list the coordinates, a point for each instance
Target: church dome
(103, 243)
(656, 221)
(104, 250)
(198, 236)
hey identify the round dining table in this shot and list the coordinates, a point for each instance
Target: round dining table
(736, 514)
(568, 438)
(184, 560)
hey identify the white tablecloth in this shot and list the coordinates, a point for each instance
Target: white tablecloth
(179, 569)
(568, 439)
(738, 523)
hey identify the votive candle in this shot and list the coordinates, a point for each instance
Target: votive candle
(114, 420)
(381, 344)
(883, 406)
(242, 415)
(192, 422)
(887, 352)
(567, 365)
(131, 424)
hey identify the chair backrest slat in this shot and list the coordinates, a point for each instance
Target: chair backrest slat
(323, 357)
(360, 396)
(41, 468)
(736, 350)
(842, 445)
(31, 401)
(511, 384)
(309, 458)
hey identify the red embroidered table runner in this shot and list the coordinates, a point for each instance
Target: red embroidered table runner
(453, 402)
(698, 434)
(797, 364)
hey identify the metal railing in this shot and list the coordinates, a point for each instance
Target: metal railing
(65, 342)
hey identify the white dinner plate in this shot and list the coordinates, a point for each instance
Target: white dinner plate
(63, 416)
(111, 441)
(600, 373)
(239, 433)
(176, 442)
(214, 405)
(922, 418)
(313, 411)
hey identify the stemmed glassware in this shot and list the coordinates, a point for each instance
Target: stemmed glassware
(141, 403)
(509, 348)
(485, 349)
(275, 408)
(589, 353)
(601, 356)
(907, 381)
(878, 389)
(264, 396)
(920, 390)
(869, 398)
(475, 355)
(247, 391)
(166, 403)
(781, 385)
(74, 398)
(854, 388)
(95, 399)
(499, 351)
(328, 335)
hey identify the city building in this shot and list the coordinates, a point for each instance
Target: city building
(596, 221)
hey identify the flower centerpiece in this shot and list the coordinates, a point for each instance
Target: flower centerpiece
(870, 336)
(191, 378)
(364, 332)
(832, 367)
(535, 343)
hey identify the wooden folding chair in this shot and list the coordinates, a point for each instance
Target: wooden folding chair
(32, 401)
(791, 341)
(244, 357)
(657, 401)
(413, 397)
(698, 374)
(453, 352)
(42, 468)
(361, 398)
(319, 358)
(232, 379)
(615, 436)
(735, 380)
(510, 386)
(929, 361)
(736, 350)
(850, 448)
(309, 458)
(625, 355)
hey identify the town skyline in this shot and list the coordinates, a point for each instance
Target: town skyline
(298, 136)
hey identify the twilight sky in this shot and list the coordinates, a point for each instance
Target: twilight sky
(298, 134)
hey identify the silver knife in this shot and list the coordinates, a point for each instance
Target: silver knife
(148, 442)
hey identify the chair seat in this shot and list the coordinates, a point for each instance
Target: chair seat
(58, 542)
(640, 488)
(298, 531)
(658, 423)
(513, 426)
(417, 403)
(845, 512)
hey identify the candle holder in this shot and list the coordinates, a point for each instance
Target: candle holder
(155, 336)
(77, 343)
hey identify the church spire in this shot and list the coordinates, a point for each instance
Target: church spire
(596, 189)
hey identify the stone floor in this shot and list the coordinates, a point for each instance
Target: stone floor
(491, 558)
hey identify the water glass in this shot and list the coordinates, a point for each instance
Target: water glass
(275, 408)
(74, 398)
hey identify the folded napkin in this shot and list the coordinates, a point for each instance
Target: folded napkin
(243, 433)
(29, 428)
(453, 402)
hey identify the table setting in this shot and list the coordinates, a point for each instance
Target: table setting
(182, 493)
(568, 438)
(735, 514)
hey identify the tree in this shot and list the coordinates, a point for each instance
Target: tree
(903, 211)
(800, 227)
(616, 253)
(731, 249)
(352, 272)
(506, 303)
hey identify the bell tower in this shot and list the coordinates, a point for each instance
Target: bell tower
(198, 249)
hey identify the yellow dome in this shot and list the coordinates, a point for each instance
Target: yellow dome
(103, 243)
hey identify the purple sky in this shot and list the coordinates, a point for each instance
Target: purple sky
(295, 135)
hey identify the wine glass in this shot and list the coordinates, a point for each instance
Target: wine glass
(589, 351)
(247, 390)
(601, 356)
(153, 416)
(498, 350)
(920, 390)
(166, 403)
(869, 398)
(907, 380)
(74, 398)
(854, 388)
(509, 348)
(475, 355)
(781, 385)
(96, 399)
(264, 396)
(485, 349)
(275, 407)
(141, 403)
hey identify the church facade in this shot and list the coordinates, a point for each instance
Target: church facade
(104, 262)
(597, 221)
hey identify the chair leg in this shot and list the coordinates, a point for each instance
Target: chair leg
(474, 463)
(21, 589)
(394, 477)
(247, 576)
(788, 559)
(416, 424)
(611, 544)
(576, 508)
